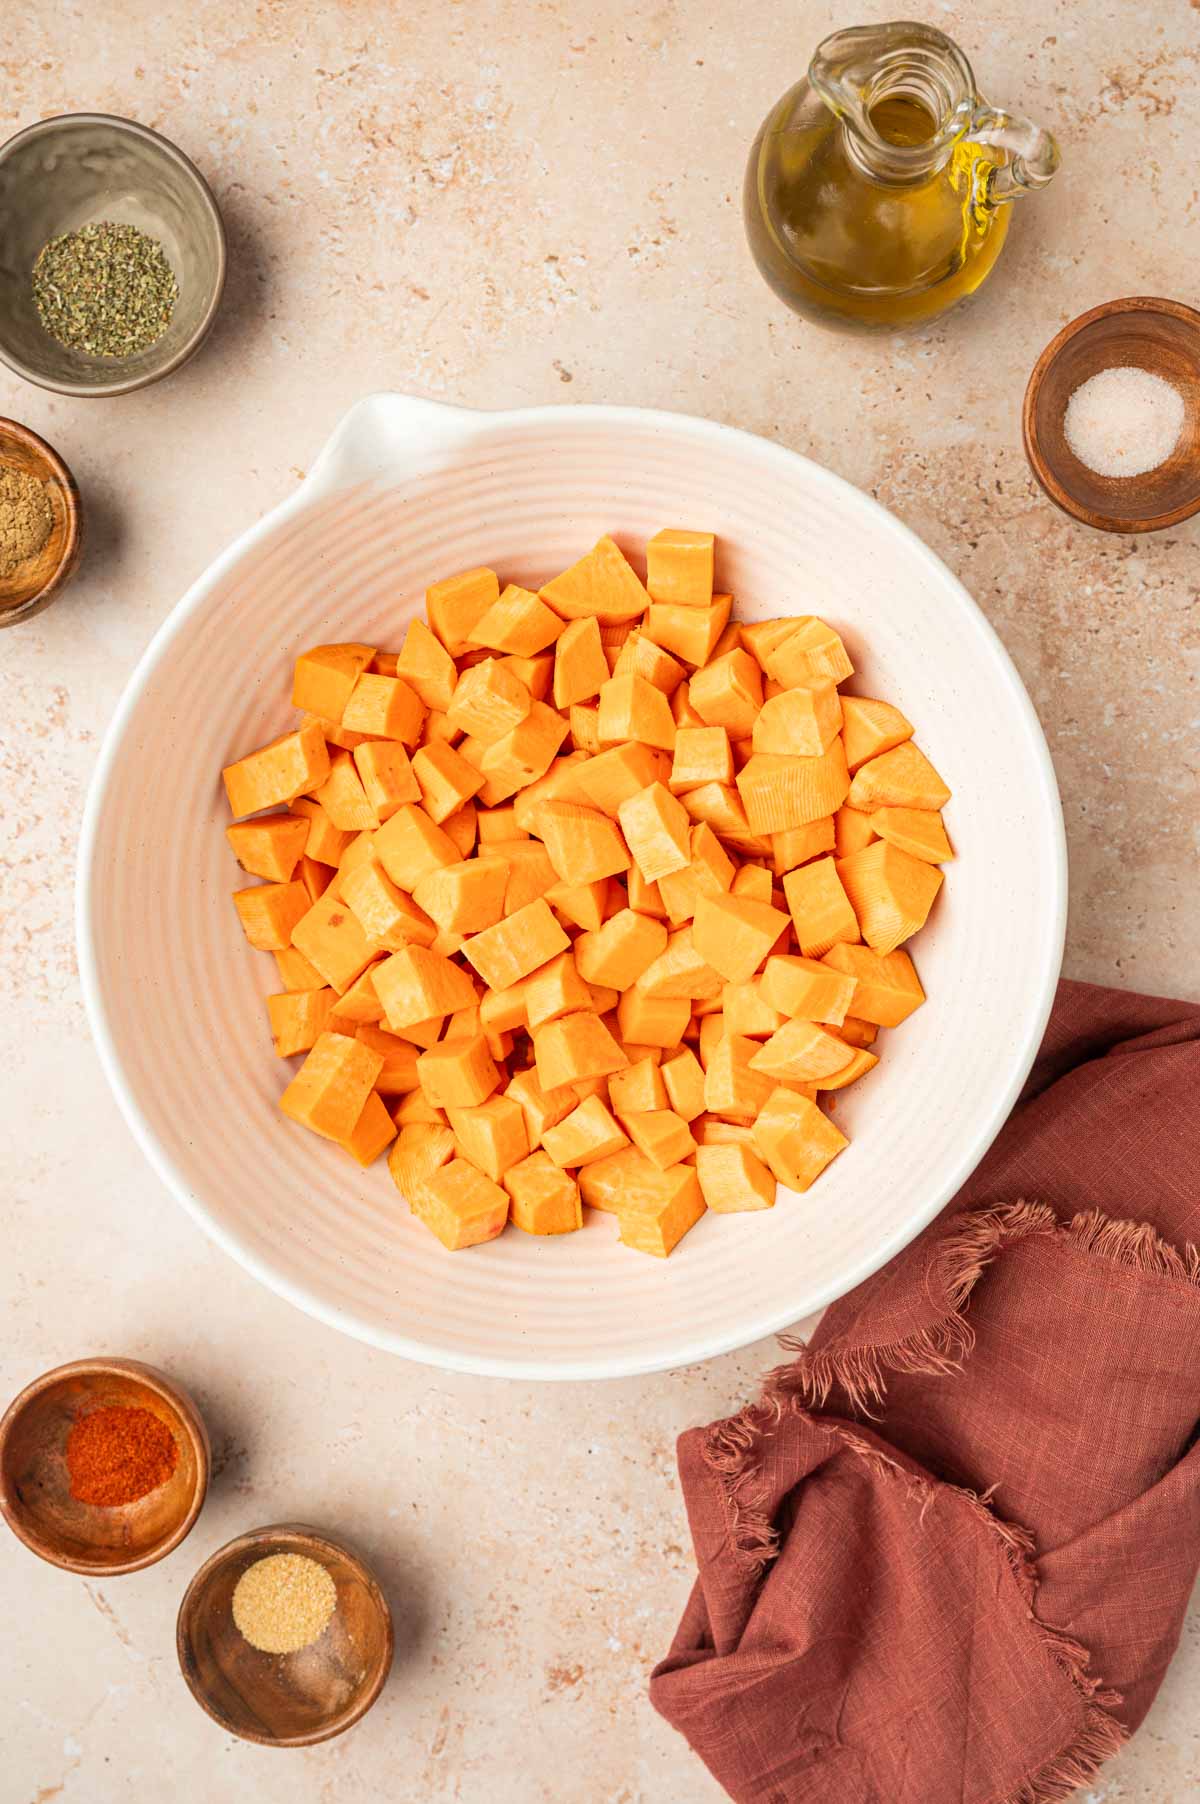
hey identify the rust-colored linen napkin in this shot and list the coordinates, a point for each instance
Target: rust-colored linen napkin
(946, 1557)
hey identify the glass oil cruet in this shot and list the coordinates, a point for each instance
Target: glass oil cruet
(878, 190)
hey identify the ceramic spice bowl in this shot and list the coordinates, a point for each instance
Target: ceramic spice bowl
(35, 1495)
(80, 169)
(285, 1700)
(34, 584)
(1151, 334)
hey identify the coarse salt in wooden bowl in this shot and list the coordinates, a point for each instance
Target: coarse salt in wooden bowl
(295, 1699)
(35, 1491)
(1143, 332)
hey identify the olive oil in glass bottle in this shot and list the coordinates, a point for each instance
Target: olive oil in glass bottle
(878, 190)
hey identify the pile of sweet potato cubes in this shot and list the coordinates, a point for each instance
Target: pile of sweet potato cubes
(586, 896)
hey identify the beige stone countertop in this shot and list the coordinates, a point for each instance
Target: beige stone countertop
(499, 204)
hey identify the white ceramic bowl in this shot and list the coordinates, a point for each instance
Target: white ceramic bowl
(407, 492)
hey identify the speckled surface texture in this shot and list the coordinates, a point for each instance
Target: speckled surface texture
(503, 204)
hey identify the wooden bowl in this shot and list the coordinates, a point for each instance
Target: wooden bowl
(285, 1700)
(35, 1494)
(33, 585)
(1156, 335)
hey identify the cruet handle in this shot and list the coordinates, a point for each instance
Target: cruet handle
(1032, 155)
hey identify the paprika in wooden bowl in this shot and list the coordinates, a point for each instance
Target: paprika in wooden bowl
(103, 1465)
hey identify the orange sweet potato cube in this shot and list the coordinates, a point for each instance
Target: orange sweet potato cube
(638, 1088)
(652, 1020)
(420, 1150)
(579, 904)
(852, 830)
(522, 755)
(271, 846)
(680, 971)
(517, 945)
(489, 701)
(386, 774)
(427, 667)
(357, 1005)
(691, 634)
(617, 773)
(734, 1179)
(784, 792)
(544, 1198)
(278, 772)
(387, 915)
(657, 831)
(683, 1078)
(555, 989)
(900, 778)
(580, 666)
(315, 877)
(871, 727)
(632, 708)
(811, 651)
(330, 1090)
(601, 585)
(802, 721)
(343, 797)
(795, 1139)
(728, 693)
(465, 897)
(661, 1135)
(332, 940)
(460, 1205)
(295, 972)
(802, 1050)
(518, 623)
(298, 1019)
(747, 1010)
(458, 1073)
(410, 845)
(573, 1048)
(326, 843)
(641, 657)
(583, 845)
(753, 880)
(373, 1130)
(618, 952)
(324, 677)
(735, 934)
(679, 567)
(446, 780)
(269, 913)
(702, 755)
(530, 874)
(386, 708)
(821, 910)
(589, 1132)
(890, 891)
(417, 984)
(661, 1218)
(491, 1134)
(541, 1108)
(806, 988)
(537, 673)
(920, 832)
(859, 1063)
(709, 871)
(732, 1083)
(398, 1076)
(455, 606)
(796, 845)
